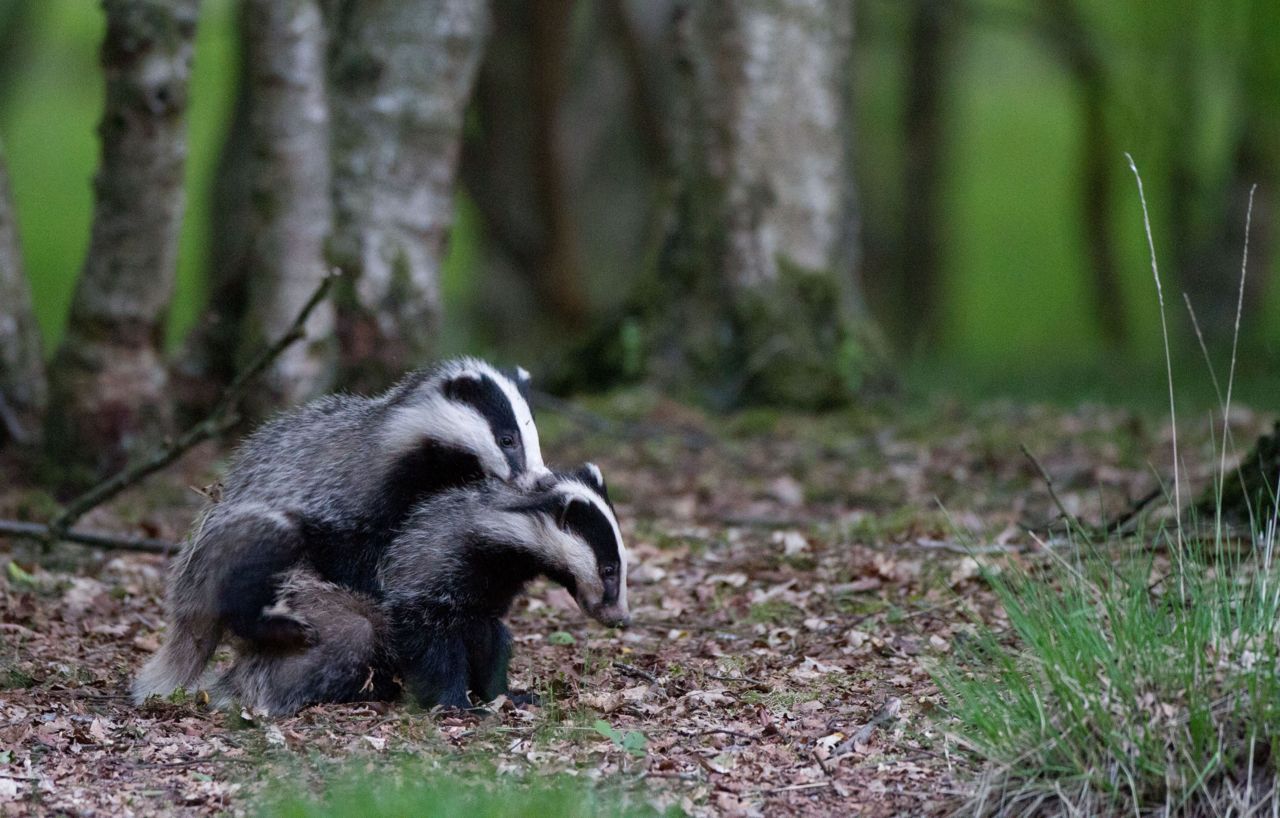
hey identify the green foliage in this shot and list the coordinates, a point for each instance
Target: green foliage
(633, 741)
(1122, 687)
(409, 790)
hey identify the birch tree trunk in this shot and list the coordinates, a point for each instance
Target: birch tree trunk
(766, 249)
(292, 211)
(23, 391)
(108, 381)
(401, 74)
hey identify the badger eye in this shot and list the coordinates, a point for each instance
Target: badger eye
(608, 570)
(507, 441)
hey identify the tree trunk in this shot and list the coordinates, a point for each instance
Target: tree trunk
(1065, 31)
(766, 244)
(209, 357)
(109, 383)
(929, 48)
(23, 391)
(401, 74)
(292, 210)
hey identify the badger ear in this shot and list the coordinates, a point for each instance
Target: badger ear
(463, 385)
(562, 514)
(523, 381)
(590, 474)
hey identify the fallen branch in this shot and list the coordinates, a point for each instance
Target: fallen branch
(1071, 519)
(636, 673)
(220, 419)
(43, 533)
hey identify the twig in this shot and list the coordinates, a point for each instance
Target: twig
(635, 672)
(43, 533)
(795, 787)
(1053, 492)
(221, 418)
(1115, 525)
(887, 713)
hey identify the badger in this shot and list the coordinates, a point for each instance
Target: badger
(326, 486)
(445, 581)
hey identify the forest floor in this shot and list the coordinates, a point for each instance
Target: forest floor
(794, 578)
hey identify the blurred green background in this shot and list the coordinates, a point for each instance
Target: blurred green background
(1013, 269)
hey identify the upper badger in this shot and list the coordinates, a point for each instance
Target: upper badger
(446, 581)
(327, 485)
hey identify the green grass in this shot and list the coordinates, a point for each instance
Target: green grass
(1127, 685)
(411, 791)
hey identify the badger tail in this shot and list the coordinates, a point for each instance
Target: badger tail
(179, 662)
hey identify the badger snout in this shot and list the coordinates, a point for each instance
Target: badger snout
(611, 616)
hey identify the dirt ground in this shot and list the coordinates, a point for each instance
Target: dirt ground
(792, 580)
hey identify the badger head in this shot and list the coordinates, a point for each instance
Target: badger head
(471, 413)
(581, 544)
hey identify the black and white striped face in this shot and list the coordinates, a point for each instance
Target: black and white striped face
(477, 409)
(584, 544)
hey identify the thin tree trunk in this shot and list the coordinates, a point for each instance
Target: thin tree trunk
(558, 270)
(209, 358)
(1066, 32)
(23, 391)
(400, 77)
(767, 244)
(289, 120)
(929, 50)
(109, 383)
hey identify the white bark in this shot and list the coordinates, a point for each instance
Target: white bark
(109, 383)
(400, 77)
(289, 120)
(771, 80)
(22, 382)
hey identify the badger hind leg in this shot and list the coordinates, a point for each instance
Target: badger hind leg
(187, 648)
(343, 664)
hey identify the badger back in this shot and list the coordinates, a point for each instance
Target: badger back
(465, 416)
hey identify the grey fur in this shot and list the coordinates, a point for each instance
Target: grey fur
(429, 585)
(318, 485)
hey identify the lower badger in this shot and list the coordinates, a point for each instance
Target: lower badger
(446, 580)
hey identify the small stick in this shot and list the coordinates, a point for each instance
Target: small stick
(1053, 492)
(43, 533)
(635, 672)
(220, 419)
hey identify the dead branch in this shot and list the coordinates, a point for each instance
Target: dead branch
(1053, 492)
(43, 533)
(220, 419)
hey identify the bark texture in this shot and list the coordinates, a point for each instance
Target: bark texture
(767, 245)
(108, 381)
(930, 46)
(401, 74)
(291, 204)
(23, 391)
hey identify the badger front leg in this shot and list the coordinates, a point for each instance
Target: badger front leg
(488, 655)
(433, 664)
